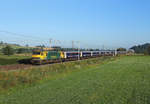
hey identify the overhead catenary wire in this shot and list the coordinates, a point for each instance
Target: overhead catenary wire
(19, 34)
(28, 39)
(32, 39)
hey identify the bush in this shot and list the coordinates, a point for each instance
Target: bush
(8, 50)
(148, 51)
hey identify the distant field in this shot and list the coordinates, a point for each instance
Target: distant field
(122, 81)
(13, 59)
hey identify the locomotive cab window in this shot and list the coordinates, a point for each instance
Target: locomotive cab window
(36, 53)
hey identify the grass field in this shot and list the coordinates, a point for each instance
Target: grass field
(122, 81)
(13, 59)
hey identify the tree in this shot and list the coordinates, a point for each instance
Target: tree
(148, 51)
(1, 43)
(141, 48)
(121, 49)
(21, 50)
(27, 45)
(41, 46)
(8, 50)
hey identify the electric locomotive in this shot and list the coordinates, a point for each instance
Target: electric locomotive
(42, 56)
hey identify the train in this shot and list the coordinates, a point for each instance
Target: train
(45, 57)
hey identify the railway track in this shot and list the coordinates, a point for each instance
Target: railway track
(25, 66)
(15, 67)
(29, 65)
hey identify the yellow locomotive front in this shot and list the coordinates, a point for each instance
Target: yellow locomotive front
(38, 56)
(44, 56)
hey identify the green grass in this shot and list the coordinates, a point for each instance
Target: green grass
(9, 79)
(13, 59)
(122, 81)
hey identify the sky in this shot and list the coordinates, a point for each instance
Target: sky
(95, 23)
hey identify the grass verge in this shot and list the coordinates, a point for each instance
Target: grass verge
(13, 59)
(122, 81)
(30, 76)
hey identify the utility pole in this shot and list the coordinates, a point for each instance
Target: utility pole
(115, 52)
(78, 50)
(103, 47)
(73, 45)
(50, 41)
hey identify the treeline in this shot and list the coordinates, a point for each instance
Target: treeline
(8, 50)
(4, 44)
(143, 49)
